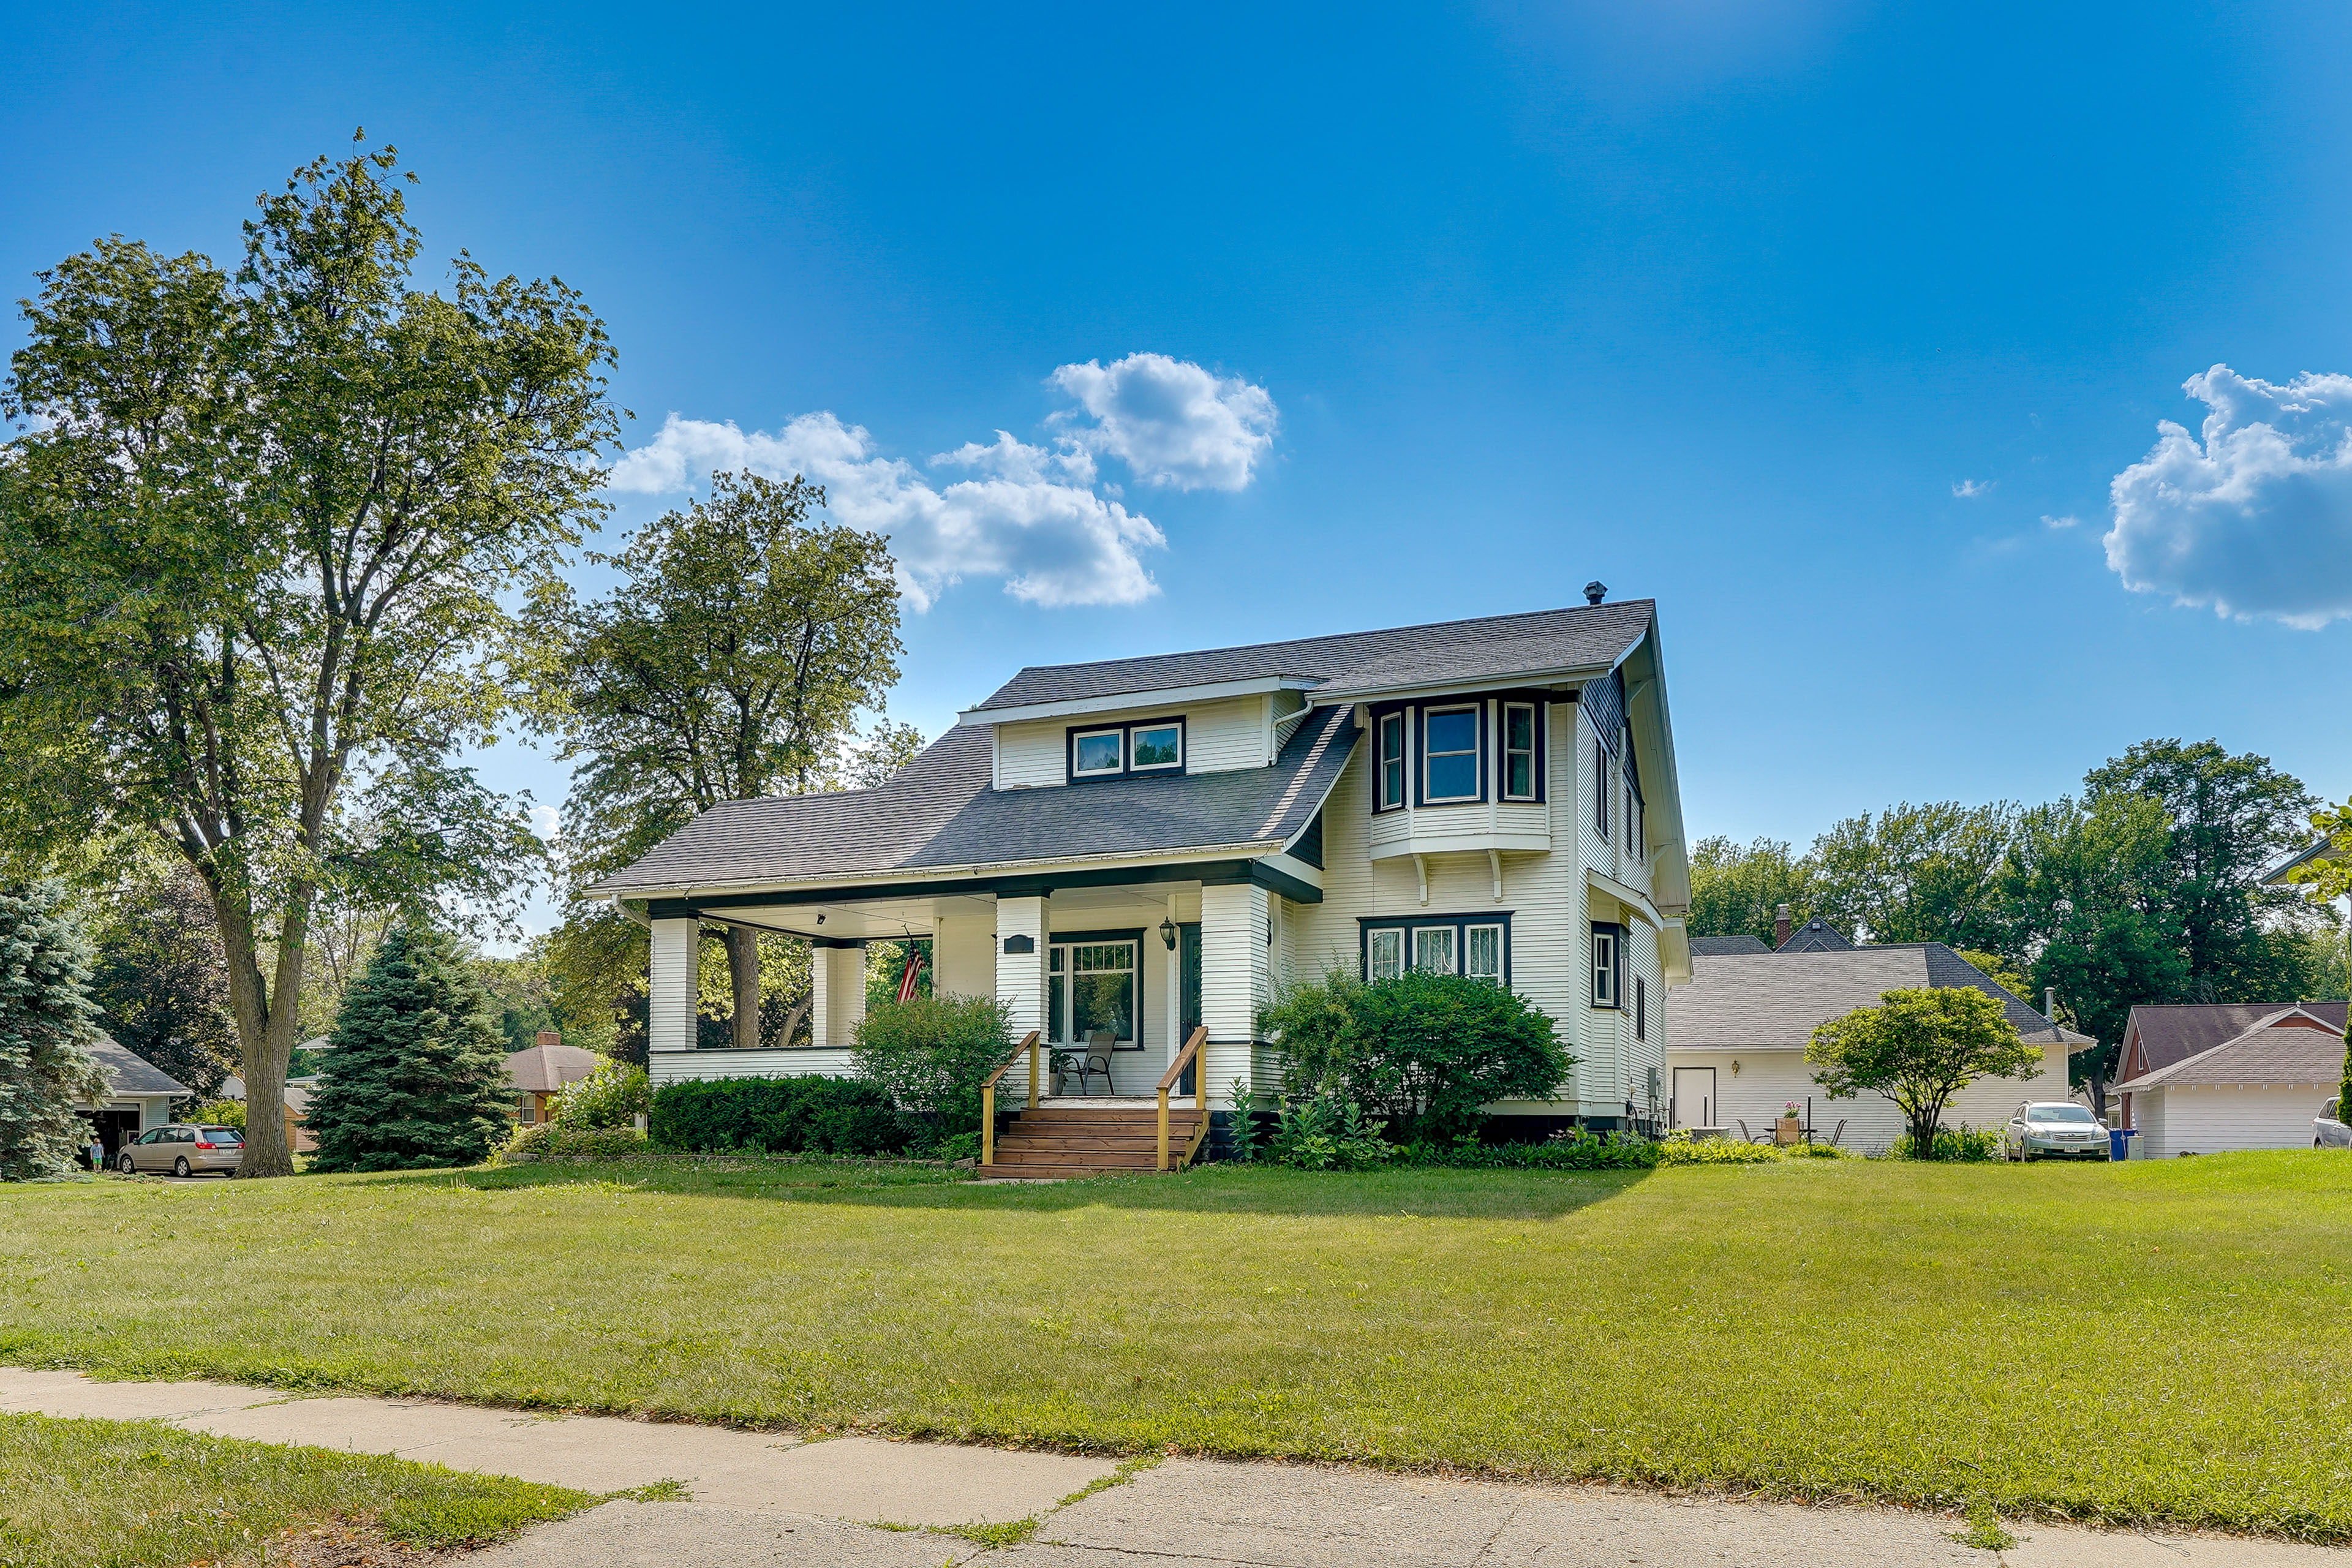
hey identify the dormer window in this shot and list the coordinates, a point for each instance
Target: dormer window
(1449, 753)
(1099, 753)
(1126, 751)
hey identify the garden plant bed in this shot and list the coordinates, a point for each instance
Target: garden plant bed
(1860, 1330)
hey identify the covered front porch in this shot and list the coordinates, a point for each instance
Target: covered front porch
(1117, 966)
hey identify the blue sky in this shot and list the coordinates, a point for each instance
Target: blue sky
(1800, 317)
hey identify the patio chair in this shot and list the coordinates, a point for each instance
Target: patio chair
(1096, 1061)
(1836, 1133)
(1748, 1137)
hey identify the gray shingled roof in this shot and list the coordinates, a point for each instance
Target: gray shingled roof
(543, 1069)
(940, 811)
(1590, 636)
(2270, 1052)
(130, 1074)
(1725, 946)
(2175, 1032)
(1759, 1000)
(1816, 935)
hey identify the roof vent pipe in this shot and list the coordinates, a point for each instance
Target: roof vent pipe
(1595, 591)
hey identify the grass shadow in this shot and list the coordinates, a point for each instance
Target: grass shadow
(1211, 1189)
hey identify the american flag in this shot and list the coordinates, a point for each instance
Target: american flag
(914, 972)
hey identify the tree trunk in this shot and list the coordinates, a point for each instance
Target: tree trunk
(743, 985)
(267, 1151)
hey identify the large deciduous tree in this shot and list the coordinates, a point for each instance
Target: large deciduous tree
(1917, 873)
(734, 658)
(1919, 1048)
(252, 545)
(160, 982)
(1737, 890)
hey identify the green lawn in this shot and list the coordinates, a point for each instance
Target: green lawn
(122, 1493)
(2150, 1342)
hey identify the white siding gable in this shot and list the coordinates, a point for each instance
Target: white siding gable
(1219, 736)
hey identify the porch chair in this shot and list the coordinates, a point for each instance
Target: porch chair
(1838, 1133)
(1096, 1059)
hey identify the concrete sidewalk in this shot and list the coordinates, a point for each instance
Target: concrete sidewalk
(765, 1500)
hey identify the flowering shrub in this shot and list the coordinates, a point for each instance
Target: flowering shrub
(614, 1095)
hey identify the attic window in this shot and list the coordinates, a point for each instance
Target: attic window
(1149, 747)
(1099, 753)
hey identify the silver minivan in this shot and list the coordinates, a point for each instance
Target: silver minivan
(183, 1149)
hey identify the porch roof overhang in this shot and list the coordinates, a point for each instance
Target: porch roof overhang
(939, 824)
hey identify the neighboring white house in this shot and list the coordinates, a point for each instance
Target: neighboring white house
(139, 1095)
(1129, 849)
(2258, 1088)
(1741, 1025)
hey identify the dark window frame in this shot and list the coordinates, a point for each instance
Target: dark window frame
(1402, 718)
(1476, 707)
(1461, 923)
(1616, 968)
(1503, 750)
(1135, 988)
(1641, 1008)
(1126, 728)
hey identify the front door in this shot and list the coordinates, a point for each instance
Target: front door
(1694, 1097)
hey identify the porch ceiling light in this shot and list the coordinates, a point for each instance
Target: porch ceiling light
(1168, 933)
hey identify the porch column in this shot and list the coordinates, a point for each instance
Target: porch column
(1021, 971)
(670, 990)
(1235, 981)
(836, 996)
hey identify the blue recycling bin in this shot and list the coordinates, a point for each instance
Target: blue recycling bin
(2117, 1146)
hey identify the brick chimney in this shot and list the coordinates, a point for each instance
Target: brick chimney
(549, 1038)
(1781, 928)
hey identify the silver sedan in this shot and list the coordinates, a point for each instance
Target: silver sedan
(2327, 1129)
(2054, 1130)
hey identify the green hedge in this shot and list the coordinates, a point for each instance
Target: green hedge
(544, 1138)
(783, 1116)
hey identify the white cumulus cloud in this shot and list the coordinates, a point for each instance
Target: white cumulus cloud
(1969, 490)
(2255, 518)
(1169, 421)
(1034, 518)
(1050, 542)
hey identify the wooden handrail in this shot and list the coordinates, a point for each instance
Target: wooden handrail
(988, 1096)
(1190, 1053)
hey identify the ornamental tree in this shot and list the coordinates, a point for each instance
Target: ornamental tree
(2326, 876)
(1919, 1048)
(418, 1074)
(47, 1027)
(254, 535)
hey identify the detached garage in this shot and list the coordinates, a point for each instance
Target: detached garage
(2259, 1089)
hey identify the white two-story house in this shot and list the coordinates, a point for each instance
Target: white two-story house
(1130, 851)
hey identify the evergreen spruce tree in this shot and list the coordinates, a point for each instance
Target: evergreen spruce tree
(46, 1030)
(417, 1074)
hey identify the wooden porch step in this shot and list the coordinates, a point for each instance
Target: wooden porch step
(1086, 1141)
(1041, 1173)
(1138, 1160)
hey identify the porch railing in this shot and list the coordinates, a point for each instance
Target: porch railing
(988, 1097)
(1188, 1056)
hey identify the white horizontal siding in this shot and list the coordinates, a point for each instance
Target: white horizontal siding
(678, 1067)
(1767, 1079)
(1219, 736)
(2195, 1119)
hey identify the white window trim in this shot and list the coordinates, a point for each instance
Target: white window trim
(1371, 943)
(1605, 975)
(1079, 737)
(1134, 730)
(1428, 796)
(1502, 942)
